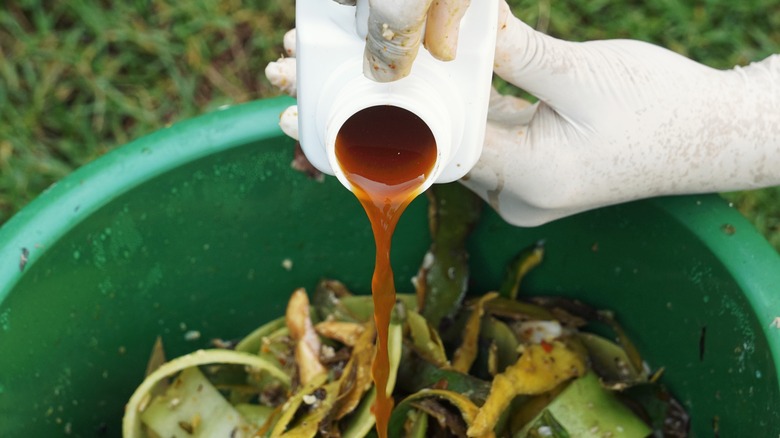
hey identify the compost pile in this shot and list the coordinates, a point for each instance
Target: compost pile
(502, 364)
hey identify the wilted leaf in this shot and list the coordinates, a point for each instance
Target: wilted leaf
(359, 364)
(309, 424)
(295, 402)
(415, 374)
(426, 340)
(441, 282)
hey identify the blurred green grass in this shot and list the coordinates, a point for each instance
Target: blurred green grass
(81, 77)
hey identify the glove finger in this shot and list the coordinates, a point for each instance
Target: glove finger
(282, 75)
(289, 42)
(549, 68)
(489, 180)
(288, 121)
(442, 27)
(519, 177)
(394, 35)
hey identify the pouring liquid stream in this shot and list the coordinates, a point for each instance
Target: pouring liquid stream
(386, 153)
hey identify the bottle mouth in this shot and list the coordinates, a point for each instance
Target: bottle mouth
(397, 128)
(386, 146)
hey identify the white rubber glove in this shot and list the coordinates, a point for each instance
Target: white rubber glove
(282, 75)
(396, 28)
(618, 120)
(395, 31)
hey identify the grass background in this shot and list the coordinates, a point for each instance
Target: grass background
(81, 77)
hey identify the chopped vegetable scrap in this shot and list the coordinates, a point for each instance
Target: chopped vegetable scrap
(502, 364)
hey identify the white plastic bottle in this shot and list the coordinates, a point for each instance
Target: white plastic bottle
(450, 97)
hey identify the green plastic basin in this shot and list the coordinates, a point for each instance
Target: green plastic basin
(203, 228)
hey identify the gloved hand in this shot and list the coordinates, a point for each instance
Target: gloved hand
(395, 31)
(394, 35)
(619, 120)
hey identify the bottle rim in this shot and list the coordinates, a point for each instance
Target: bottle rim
(436, 104)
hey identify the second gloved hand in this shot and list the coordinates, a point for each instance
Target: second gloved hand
(620, 120)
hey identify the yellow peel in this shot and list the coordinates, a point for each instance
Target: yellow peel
(293, 403)
(467, 352)
(307, 342)
(360, 361)
(539, 369)
(347, 333)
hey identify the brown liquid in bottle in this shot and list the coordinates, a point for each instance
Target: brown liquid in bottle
(386, 153)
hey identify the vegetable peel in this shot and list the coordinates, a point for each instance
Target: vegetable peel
(535, 372)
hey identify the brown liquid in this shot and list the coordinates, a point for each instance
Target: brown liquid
(386, 153)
